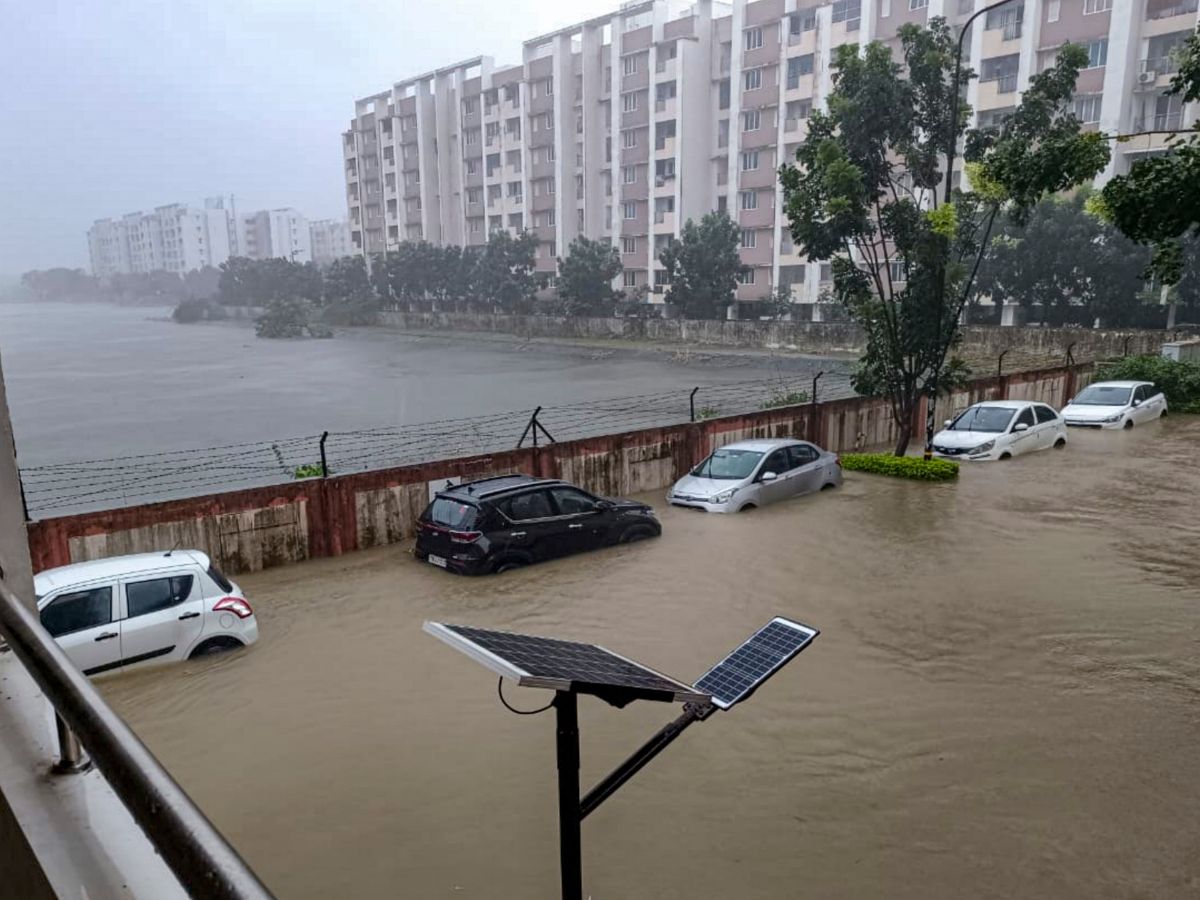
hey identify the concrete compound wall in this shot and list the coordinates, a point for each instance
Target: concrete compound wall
(262, 527)
(803, 337)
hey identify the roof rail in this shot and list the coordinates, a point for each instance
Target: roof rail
(199, 856)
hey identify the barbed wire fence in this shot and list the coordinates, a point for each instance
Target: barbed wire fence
(64, 488)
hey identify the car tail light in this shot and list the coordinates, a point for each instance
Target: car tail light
(465, 537)
(837, 460)
(236, 605)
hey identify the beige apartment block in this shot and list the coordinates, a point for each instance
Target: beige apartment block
(623, 127)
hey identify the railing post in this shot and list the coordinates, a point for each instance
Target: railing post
(692, 403)
(71, 758)
(813, 430)
(1000, 363)
(324, 462)
(1070, 353)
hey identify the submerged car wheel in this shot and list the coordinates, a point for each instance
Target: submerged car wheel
(507, 566)
(828, 486)
(747, 508)
(1060, 443)
(635, 533)
(216, 645)
(1005, 455)
(1128, 424)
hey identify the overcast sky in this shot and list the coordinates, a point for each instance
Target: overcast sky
(111, 106)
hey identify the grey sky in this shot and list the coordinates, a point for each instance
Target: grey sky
(109, 106)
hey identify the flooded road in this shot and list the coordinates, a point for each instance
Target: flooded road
(1003, 702)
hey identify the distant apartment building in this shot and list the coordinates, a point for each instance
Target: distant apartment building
(330, 239)
(172, 238)
(273, 234)
(624, 126)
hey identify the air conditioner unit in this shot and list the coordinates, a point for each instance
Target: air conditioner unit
(1147, 77)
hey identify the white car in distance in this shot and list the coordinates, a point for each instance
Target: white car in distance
(999, 429)
(1115, 404)
(117, 612)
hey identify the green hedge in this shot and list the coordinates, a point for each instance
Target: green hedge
(901, 466)
(1180, 381)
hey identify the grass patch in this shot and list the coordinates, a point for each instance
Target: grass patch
(782, 398)
(901, 466)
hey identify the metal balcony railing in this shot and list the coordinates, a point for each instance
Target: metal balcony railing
(1166, 11)
(1160, 65)
(1012, 31)
(1006, 84)
(203, 861)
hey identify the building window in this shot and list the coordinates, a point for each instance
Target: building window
(1096, 6)
(749, 199)
(749, 239)
(628, 245)
(749, 160)
(753, 38)
(1087, 108)
(629, 65)
(723, 95)
(752, 79)
(628, 139)
(551, 186)
(471, 105)
(1097, 53)
(630, 279)
(798, 66)
(629, 209)
(548, 121)
(665, 91)
(664, 170)
(629, 174)
(799, 109)
(849, 11)
(746, 276)
(917, 4)
(629, 102)
(1053, 10)
(803, 21)
(548, 87)
(751, 120)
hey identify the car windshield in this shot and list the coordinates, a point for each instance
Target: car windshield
(983, 418)
(452, 514)
(1103, 395)
(727, 464)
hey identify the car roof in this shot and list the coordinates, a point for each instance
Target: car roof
(1006, 404)
(1118, 384)
(115, 567)
(761, 444)
(484, 488)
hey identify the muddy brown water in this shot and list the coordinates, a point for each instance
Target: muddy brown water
(1004, 702)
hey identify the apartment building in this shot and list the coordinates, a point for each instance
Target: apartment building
(623, 127)
(273, 234)
(330, 240)
(172, 238)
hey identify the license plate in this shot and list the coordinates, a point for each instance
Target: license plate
(439, 561)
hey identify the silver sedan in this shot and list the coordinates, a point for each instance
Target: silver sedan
(747, 474)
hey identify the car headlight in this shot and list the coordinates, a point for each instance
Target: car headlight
(985, 447)
(1111, 419)
(724, 496)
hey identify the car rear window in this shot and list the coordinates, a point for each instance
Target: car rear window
(219, 577)
(454, 514)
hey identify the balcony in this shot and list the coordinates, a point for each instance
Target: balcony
(1011, 31)
(1171, 121)
(1168, 10)
(1006, 84)
(1154, 67)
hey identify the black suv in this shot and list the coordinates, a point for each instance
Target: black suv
(502, 523)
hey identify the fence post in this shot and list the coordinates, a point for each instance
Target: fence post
(813, 428)
(1070, 354)
(692, 402)
(1000, 362)
(324, 462)
(1125, 347)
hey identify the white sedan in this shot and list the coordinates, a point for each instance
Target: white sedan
(999, 429)
(117, 612)
(1115, 404)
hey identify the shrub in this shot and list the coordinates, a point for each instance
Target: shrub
(308, 470)
(198, 310)
(901, 466)
(1180, 381)
(707, 412)
(780, 398)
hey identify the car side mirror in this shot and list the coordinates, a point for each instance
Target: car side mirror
(1137, 403)
(1020, 426)
(947, 423)
(768, 476)
(605, 505)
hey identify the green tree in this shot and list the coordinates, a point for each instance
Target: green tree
(1158, 202)
(703, 265)
(585, 277)
(865, 194)
(349, 298)
(504, 275)
(61, 284)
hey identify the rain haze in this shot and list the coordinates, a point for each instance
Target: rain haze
(119, 106)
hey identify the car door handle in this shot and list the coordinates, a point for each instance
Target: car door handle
(108, 635)
(517, 534)
(574, 527)
(191, 615)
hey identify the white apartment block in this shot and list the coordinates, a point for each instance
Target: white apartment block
(623, 127)
(172, 238)
(273, 234)
(330, 239)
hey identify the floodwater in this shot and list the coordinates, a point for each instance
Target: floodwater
(1003, 702)
(92, 381)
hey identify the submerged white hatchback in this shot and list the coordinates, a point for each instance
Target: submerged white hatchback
(750, 474)
(117, 612)
(999, 429)
(1115, 404)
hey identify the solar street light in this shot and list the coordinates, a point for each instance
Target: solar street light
(570, 668)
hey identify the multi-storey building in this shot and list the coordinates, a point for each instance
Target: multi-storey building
(330, 239)
(625, 126)
(273, 233)
(172, 238)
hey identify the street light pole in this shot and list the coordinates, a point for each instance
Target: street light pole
(951, 153)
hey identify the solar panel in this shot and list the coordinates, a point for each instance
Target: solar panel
(736, 676)
(535, 661)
